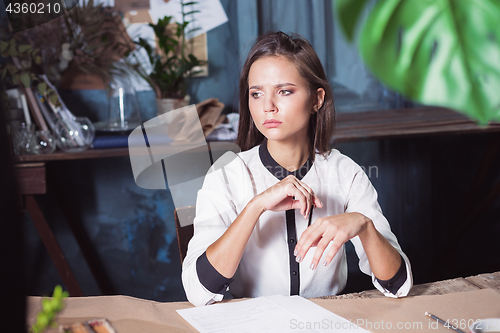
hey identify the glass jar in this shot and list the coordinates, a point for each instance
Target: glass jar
(22, 137)
(43, 143)
(74, 134)
(123, 114)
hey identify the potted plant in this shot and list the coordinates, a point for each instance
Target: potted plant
(171, 66)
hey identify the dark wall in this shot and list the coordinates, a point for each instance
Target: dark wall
(441, 197)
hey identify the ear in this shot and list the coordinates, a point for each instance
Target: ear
(319, 100)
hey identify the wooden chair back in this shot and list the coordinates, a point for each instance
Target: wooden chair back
(184, 234)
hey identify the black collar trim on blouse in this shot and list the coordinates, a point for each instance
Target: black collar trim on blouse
(277, 170)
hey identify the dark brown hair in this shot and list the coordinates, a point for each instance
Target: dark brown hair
(298, 50)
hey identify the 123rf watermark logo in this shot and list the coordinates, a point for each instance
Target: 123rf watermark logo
(27, 14)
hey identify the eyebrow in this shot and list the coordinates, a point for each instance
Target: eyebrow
(279, 85)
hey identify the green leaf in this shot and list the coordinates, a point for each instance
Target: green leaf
(193, 30)
(348, 13)
(12, 69)
(25, 79)
(38, 60)
(3, 45)
(438, 52)
(192, 12)
(24, 48)
(13, 51)
(53, 99)
(46, 306)
(57, 291)
(42, 87)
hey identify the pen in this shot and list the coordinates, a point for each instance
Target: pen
(310, 215)
(444, 323)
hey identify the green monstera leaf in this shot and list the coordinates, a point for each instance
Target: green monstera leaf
(435, 52)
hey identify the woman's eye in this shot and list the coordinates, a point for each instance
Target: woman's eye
(285, 92)
(255, 94)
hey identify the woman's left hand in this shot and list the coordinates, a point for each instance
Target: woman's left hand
(337, 229)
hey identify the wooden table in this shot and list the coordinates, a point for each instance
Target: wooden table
(462, 299)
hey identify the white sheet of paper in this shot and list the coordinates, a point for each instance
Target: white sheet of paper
(267, 314)
(211, 14)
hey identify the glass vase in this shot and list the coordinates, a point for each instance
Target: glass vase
(74, 134)
(123, 113)
(22, 137)
(43, 143)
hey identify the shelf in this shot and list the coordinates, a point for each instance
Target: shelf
(59, 155)
(384, 124)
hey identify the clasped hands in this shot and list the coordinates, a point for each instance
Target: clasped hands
(291, 193)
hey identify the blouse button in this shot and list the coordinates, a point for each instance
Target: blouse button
(292, 240)
(294, 272)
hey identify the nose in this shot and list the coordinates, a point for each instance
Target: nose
(269, 105)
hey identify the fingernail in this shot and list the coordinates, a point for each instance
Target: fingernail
(325, 263)
(295, 252)
(312, 266)
(298, 258)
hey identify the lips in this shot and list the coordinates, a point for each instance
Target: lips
(271, 123)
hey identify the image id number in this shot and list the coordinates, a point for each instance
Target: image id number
(33, 8)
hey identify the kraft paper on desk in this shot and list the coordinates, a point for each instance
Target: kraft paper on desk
(132, 315)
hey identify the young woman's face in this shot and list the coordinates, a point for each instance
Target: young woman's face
(279, 99)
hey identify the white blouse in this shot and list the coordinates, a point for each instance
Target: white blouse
(266, 266)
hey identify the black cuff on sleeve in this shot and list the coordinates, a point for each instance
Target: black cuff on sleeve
(209, 277)
(397, 280)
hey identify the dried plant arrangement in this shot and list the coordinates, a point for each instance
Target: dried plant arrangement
(88, 38)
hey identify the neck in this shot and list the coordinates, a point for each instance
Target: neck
(290, 155)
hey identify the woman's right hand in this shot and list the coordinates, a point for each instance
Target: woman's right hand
(289, 193)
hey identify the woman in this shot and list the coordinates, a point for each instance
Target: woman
(274, 220)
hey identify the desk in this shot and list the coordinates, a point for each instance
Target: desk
(452, 299)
